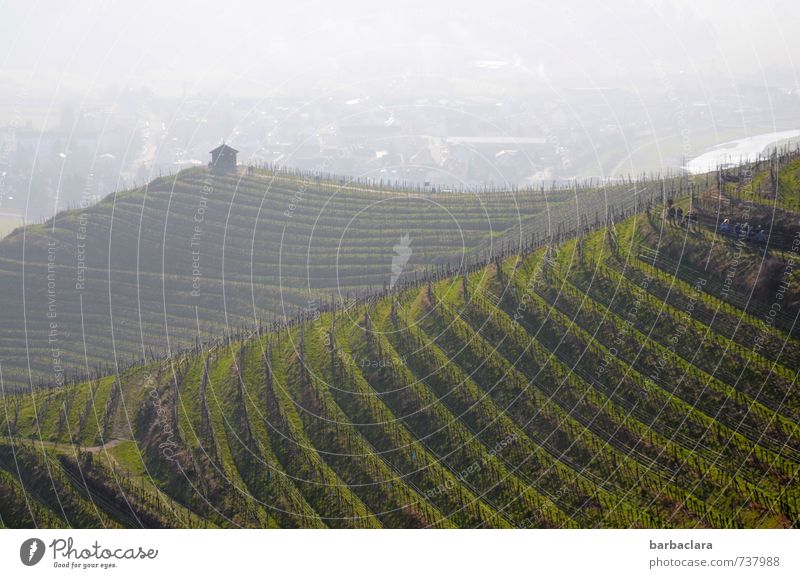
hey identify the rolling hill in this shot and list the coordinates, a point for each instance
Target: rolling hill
(643, 374)
(193, 255)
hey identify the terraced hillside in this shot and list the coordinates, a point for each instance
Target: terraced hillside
(191, 256)
(612, 380)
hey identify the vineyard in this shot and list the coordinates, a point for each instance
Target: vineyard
(149, 271)
(618, 376)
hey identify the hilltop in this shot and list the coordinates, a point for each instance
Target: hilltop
(621, 378)
(150, 271)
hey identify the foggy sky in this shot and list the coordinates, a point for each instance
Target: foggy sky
(294, 47)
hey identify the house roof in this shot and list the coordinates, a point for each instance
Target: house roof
(223, 147)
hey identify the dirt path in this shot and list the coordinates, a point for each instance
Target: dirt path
(91, 449)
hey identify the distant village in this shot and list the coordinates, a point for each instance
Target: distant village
(82, 154)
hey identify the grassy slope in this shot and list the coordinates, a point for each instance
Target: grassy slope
(257, 245)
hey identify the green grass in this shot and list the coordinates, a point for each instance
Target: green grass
(127, 455)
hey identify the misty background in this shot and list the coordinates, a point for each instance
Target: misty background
(96, 96)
